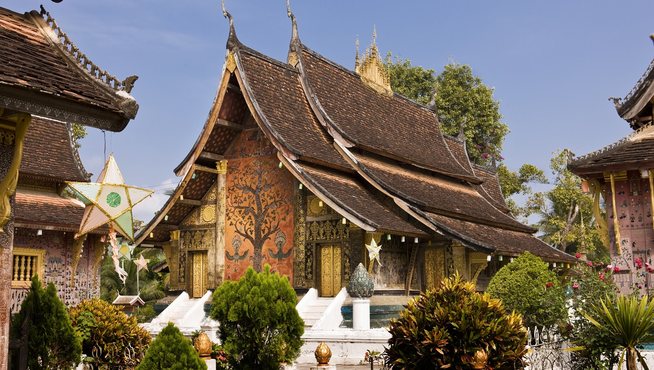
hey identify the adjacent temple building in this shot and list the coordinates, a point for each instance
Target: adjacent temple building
(303, 162)
(623, 175)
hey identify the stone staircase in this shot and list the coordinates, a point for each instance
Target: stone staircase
(188, 314)
(314, 311)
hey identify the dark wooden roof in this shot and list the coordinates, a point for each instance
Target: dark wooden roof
(43, 73)
(49, 153)
(39, 209)
(638, 102)
(634, 152)
(380, 161)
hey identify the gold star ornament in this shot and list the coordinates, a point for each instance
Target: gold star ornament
(109, 201)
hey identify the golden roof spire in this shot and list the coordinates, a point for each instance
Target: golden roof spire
(371, 69)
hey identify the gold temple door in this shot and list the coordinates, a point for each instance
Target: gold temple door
(199, 274)
(330, 270)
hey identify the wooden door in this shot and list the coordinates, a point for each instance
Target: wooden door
(199, 271)
(330, 270)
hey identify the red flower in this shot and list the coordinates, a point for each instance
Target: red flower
(577, 255)
(575, 285)
(638, 262)
(650, 270)
(589, 263)
(616, 269)
(601, 276)
(549, 284)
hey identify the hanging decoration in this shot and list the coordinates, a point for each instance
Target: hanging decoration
(373, 253)
(109, 201)
(616, 223)
(115, 256)
(141, 264)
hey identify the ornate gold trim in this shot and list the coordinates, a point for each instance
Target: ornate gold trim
(78, 246)
(221, 166)
(230, 64)
(372, 70)
(8, 183)
(39, 267)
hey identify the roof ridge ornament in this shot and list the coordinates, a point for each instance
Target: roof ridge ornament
(372, 70)
(293, 58)
(59, 38)
(232, 40)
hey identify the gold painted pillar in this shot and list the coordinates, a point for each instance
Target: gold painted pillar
(221, 200)
(12, 134)
(171, 250)
(434, 265)
(459, 259)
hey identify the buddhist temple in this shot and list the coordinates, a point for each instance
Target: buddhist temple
(302, 163)
(44, 74)
(621, 175)
(46, 219)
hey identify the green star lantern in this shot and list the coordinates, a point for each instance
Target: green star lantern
(109, 201)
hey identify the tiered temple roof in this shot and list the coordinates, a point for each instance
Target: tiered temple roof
(50, 158)
(378, 159)
(44, 73)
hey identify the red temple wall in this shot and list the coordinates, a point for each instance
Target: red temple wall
(259, 208)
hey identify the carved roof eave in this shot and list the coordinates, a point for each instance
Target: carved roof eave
(78, 161)
(210, 122)
(337, 133)
(116, 90)
(44, 104)
(408, 203)
(160, 216)
(631, 105)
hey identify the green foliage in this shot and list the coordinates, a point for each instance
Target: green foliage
(51, 340)
(171, 350)
(145, 313)
(626, 322)
(463, 100)
(594, 348)
(528, 287)
(517, 183)
(79, 133)
(110, 337)
(259, 325)
(566, 213)
(414, 82)
(456, 327)
(151, 284)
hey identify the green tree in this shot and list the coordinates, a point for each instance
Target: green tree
(628, 322)
(414, 82)
(594, 348)
(79, 133)
(464, 101)
(259, 325)
(171, 351)
(528, 287)
(51, 340)
(518, 183)
(454, 327)
(566, 213)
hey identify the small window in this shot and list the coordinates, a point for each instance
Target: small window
(27, 262)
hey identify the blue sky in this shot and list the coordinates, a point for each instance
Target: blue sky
(553, 64)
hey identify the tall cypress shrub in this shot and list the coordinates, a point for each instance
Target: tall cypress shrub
(51, 340)
(171, 351)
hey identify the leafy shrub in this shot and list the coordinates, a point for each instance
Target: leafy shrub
(110, 337)
(51, 340)
(527, 286)
(455, 327)
(259, 325)
(594, 348)
(171, 350)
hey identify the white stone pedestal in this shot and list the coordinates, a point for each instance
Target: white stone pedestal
(360, 313)
(324, 367)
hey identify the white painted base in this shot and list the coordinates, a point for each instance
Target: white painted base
(323, 367)
(361, 313)
(211, 364)
(348, 346)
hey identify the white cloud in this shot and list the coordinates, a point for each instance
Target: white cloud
(145, 210)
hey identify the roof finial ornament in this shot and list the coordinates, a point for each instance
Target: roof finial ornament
(356, 55)
(232, 40)
(226, 14)
(290, 14)
(374, 34)
(651, 37)
(371, 68)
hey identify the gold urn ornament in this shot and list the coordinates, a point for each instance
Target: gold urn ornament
(480, 359)
(203, 345)
(323, 354)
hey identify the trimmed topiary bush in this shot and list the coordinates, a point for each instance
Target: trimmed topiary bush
(51, 340)
(259, 325)
(527, 286)
(171, 350)
(109, 337)
(457, 328)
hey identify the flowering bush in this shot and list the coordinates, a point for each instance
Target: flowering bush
(590, 283)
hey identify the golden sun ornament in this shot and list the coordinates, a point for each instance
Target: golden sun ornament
(109, 201)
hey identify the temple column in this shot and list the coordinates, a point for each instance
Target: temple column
(221, 200)
(12, 133)
(459, 259)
